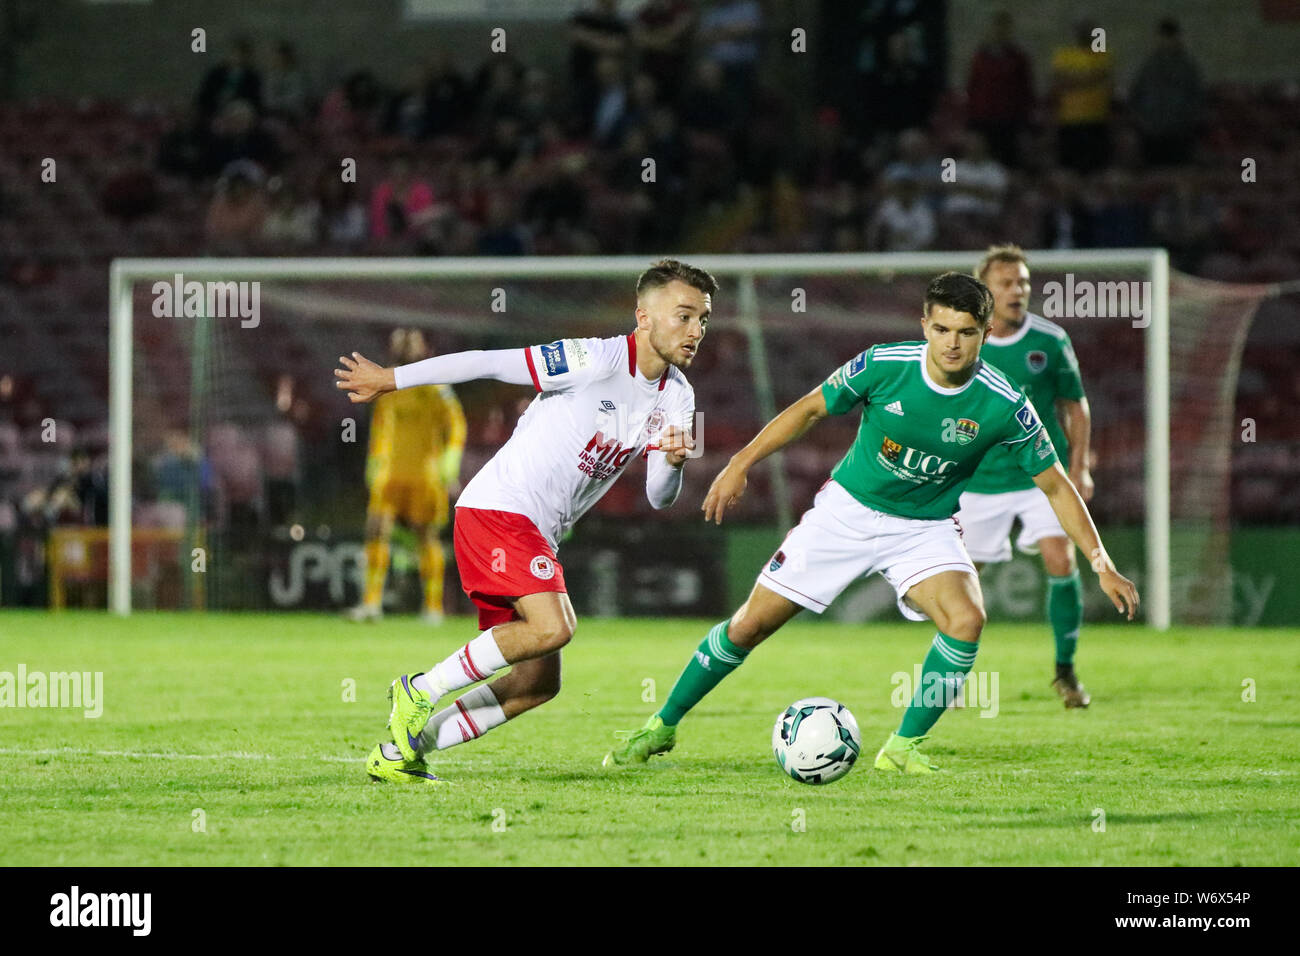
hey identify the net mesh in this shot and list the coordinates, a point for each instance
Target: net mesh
(241, 440)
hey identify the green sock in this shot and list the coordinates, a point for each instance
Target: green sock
(715, 658)
(942, 674)
(1065, 613)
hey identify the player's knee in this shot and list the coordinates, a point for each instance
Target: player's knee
(745, 629)
(554, 635)
(967, 623)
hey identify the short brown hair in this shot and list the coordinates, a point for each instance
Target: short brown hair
(1007, 252)
(666, 270)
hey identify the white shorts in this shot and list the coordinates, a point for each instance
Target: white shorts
(986, 523)
(840, 540)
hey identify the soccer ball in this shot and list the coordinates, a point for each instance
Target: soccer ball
(816, 740)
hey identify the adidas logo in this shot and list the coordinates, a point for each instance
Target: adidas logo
(895, 407)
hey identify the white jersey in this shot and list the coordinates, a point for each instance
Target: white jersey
(595, 413)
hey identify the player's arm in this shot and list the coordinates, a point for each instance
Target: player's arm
(1076, 419)
(729, 486)
(1073, 515)
(364, 381)
(454, 420)
(663, 475)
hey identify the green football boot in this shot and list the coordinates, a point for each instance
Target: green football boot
(900, 754)
(381, 767)
(654, 738)
(412, 709)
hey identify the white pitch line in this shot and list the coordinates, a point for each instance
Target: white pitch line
(74, 752)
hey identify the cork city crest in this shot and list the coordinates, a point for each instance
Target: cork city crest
(966, 431)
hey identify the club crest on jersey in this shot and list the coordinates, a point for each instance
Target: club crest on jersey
(1028, 420)
(890, 449)
(557, 363)
(542, 567)
(1036, 360)
(966, 431)
(778, 559)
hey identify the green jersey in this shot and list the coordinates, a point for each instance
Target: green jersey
(1039, 359)
(919, 443)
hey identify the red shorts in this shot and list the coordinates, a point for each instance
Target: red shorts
(502, 556)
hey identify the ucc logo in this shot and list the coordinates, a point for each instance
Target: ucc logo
(915, 460)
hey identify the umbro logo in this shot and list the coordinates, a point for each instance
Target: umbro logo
(895, 407)
(607, 405)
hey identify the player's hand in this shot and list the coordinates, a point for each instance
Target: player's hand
(362, 379)
(676, 444)
(1121, 591)
(727, 489)
(1082, 480)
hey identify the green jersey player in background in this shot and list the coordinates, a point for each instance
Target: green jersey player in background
(932, 411)
(1036, 356)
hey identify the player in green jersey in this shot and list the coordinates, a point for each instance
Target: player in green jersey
(932, 411)
(1036, 356)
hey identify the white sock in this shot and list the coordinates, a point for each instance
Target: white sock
(476, 661)
(468, 718)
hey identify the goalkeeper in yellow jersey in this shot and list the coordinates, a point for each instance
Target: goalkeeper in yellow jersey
(417, 437)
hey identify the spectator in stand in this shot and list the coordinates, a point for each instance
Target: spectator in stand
(1000, 91)
(343, 215)
(236, 134)
(228, 81)
(980, 186)
(401, 205)
(446, 96)
(1081, 94)
(594, 33)
(403, 111)
(293, 221)
(285, 89)
(1165, 100)
(1185, 220)
(830, 158)
(131, 189)
(904, 221)
(729, 31)
(661, 35)
(915, 161)
(349, 112)
(502, 235)
(238, 210)
(607, 124)
(901, 91)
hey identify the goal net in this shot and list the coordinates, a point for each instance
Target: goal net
(229, 435)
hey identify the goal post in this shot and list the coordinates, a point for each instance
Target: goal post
(1151, 265)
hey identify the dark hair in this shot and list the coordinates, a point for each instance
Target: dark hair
(961, 293)
(1169, 27)
(666, 270)
(1007, 252)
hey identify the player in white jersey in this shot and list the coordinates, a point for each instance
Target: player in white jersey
(601, 403)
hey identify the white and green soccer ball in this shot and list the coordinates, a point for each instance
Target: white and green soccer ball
(816, 740)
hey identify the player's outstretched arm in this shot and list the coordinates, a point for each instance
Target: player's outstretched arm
(1074, 518)
(365, 381)
(729, 486)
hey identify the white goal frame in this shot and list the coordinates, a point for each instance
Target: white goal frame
(1154, 263)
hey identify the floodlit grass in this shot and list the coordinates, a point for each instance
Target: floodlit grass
(231, 739)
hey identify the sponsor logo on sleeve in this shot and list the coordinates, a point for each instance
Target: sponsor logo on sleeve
(1028, 420)
(1043, 445)
(542, 567)
(555, 359)
(837, 378)
(857, 364)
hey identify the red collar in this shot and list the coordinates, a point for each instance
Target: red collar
(631, 362)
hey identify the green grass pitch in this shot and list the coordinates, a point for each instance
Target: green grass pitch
(228, 739)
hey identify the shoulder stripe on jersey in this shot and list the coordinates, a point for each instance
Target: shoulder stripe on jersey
(1005, 393)
(910, 347)
(532, 369)
(663, 379)
(1045, 325)
(998, 377)
(631, 354)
